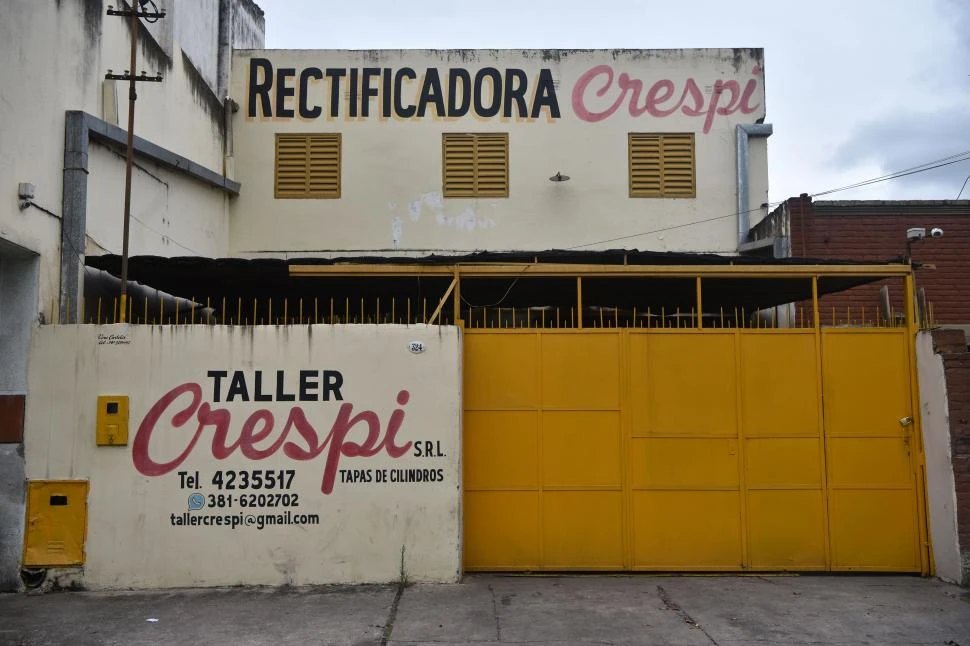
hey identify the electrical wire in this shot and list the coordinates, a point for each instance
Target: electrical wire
(499, 301)
(80, 256)
(963, 187)
(920, 168)
(898, 174)
(164, 236)
(29, 203)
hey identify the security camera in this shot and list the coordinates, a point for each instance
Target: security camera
(917, 233)
(936, 232)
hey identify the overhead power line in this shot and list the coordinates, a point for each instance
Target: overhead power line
(920, 168)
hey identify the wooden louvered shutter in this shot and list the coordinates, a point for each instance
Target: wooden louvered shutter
(661, 165)
(475, 165)
(308, 165)
(459, 165)
(492, 165)
(645, 176)
(677, 160)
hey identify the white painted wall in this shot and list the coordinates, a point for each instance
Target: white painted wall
(363, 526)
(940, 487)
(170, 216)
(18, 295)
(391, 190)
(55, 56)
(198, 31)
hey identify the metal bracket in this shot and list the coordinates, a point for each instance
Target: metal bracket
(128, 77)
(141, 14)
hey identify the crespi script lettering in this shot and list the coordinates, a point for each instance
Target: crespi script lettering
(661, 99)
(258, 437)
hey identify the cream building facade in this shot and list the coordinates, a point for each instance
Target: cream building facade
(650, 142)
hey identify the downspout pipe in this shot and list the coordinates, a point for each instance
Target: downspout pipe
(74, 200)
(744, 132)
(224, 59)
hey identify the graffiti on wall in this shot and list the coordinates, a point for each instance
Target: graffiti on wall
(360, 93)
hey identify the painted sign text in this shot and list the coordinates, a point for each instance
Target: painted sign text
(662, 99)
(401, 93)
(260, 436)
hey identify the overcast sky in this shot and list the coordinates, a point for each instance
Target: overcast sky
(855, 88)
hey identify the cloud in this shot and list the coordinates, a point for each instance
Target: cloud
(903, 139)
(933, 122)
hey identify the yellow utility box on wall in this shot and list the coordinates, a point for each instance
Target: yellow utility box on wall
(57, 519)
(112, 420)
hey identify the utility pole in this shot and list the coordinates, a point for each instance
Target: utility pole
(133, 13)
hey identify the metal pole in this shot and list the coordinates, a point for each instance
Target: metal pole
(132, 96)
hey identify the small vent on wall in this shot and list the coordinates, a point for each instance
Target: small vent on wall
(661, 165)
(308, 166)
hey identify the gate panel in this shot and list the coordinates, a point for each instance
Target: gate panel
(582, 460)
(582, 530)
(783, 450)
(581, 450)
(581, 371)
(501, 530)
(687, 530)
(506, 438)
(501, 452)
(504, 371)
(785, 529)
(685, 383)
(684, 451)
(869, 436)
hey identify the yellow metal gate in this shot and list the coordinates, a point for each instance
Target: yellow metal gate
(639, 416)
(691, 449)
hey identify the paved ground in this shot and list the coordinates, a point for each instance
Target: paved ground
(556, 611)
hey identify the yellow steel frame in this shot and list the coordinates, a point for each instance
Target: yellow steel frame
(481, 270)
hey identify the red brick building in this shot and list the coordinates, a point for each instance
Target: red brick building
(868, 230)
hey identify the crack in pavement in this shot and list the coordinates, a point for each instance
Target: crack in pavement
(392, 616)
(498, 624)
(669, 604)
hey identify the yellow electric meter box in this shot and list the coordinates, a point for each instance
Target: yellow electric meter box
(57, 520)
(112, 420)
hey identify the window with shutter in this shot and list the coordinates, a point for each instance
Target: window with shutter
(308, 166)
(475, 165)
(662, 165)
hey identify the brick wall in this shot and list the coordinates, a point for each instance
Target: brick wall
(876, 231)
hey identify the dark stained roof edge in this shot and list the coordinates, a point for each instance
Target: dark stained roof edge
(889, 208)
(555, 256)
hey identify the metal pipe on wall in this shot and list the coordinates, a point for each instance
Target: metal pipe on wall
(744, 131)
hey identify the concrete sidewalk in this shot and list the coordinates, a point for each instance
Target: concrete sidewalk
(497, 609)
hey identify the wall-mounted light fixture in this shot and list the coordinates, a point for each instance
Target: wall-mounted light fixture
(25, 193)
(559, 177)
